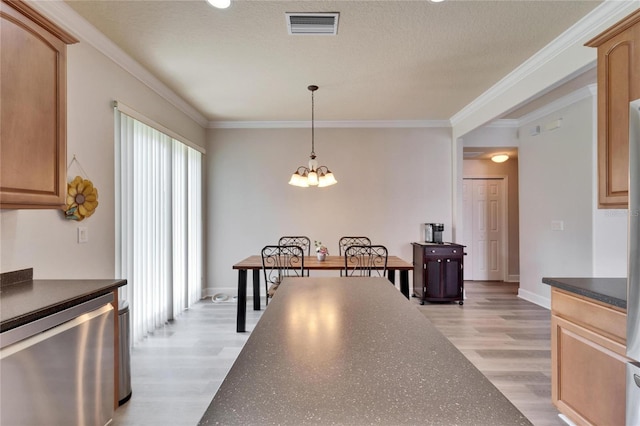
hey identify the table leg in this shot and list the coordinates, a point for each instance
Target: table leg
(404, 283)
(256, 289)
(391, 276)
(241, 318)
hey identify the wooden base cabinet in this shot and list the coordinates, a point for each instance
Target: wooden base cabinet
(438, 272)
(588, 359)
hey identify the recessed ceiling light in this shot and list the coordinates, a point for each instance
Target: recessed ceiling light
(436, 1)
(500, 158)
(220, 4)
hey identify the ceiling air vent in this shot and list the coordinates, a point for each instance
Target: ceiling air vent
(312, 23)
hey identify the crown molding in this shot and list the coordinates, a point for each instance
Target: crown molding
(578, 33)
(589, 91)
(585, 92)
(63, 15)
(362, 124)
(504, 123)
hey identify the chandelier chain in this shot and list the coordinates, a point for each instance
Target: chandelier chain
(313, 154)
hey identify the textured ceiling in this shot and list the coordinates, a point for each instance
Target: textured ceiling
(391, 60)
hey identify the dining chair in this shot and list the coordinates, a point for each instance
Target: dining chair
(278, 262)
(361, 260)
(303, 242)
(345, 242)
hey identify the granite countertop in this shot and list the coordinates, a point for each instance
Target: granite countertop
(612, 291)
(353, 351)
(27, 300)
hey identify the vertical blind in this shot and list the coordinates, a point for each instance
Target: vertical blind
(158, 223)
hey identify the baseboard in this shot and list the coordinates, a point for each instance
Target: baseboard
(230, 291)
(514, 278)
(534, 298)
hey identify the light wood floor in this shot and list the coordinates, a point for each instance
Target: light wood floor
(508, 339)
(176, 372)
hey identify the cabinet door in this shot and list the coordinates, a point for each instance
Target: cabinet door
(451, 279)
(585, 370)
(434, 278)
(418, 271)
(618, 84)
(32, 111)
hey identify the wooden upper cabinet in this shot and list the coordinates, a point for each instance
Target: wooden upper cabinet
(33, 108)
(618, 84)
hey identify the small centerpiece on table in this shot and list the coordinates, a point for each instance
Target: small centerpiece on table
(321, 250)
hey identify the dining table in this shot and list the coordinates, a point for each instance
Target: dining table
(311, 263)
(353, 351)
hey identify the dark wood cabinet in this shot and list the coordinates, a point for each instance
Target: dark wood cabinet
(438, 272)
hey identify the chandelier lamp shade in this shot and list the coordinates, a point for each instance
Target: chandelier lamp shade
(220, 4)
(313, 175)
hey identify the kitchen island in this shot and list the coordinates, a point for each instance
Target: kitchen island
(59, 348)
(588, 347)
(349, 350)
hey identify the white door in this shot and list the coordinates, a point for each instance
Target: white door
(484, 216)
(467, 226)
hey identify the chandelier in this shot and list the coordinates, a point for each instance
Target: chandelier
(313, 175)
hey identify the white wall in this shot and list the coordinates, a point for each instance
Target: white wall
(558, 181)
(556, 170)
(389, 182)
(492, 136)
(43, 239)
(610, 243)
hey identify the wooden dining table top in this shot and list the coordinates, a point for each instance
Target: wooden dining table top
(330, 263)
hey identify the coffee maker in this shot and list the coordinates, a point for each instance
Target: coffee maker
(433, 232)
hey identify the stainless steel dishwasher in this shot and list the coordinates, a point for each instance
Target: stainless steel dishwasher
(59, 370)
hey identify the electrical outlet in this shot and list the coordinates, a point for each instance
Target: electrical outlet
(83, 234)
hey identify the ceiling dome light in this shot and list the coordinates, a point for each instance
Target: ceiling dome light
(500, 158)
(220, 4)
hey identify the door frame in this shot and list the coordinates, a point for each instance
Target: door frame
(504, 258)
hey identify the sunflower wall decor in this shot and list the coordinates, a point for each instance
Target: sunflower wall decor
(82, 199)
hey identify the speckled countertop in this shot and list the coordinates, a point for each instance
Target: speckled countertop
(612, 291)
(353, 351)
(27, 300)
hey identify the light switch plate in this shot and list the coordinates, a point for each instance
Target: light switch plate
(83, 234)
(557, 225)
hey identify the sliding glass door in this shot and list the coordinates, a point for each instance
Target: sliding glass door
(158, 223)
